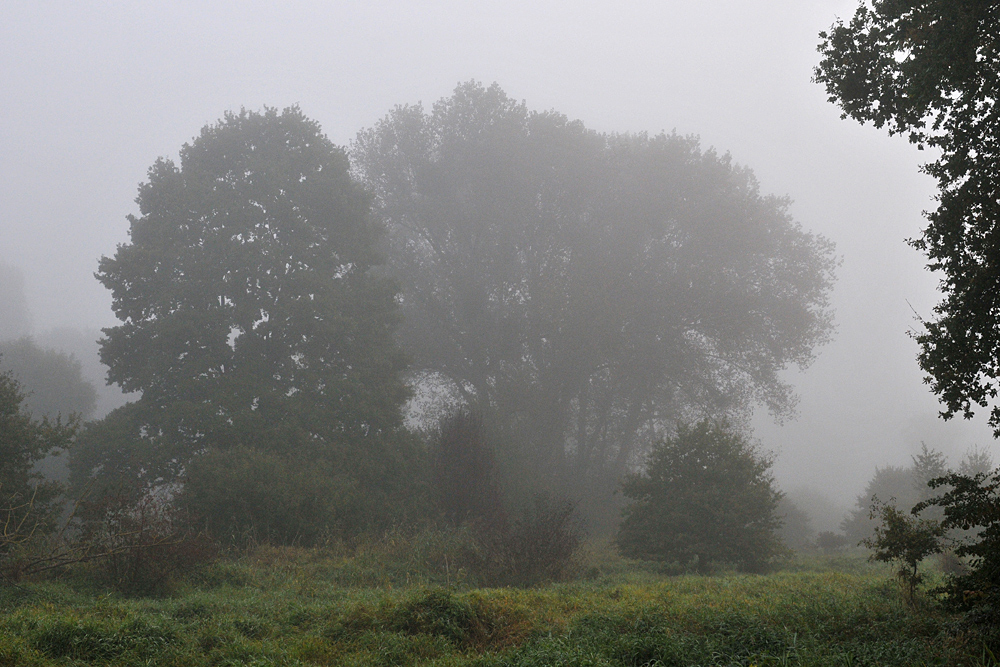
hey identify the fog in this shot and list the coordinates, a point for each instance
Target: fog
(93, 94)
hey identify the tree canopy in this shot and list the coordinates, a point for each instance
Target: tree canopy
(250, 312)
(587, 289)
(706, 496)
(931, 70)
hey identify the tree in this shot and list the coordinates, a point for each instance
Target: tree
(52, 380)
(971, 507)
(464, 473)
(251, 311)
(26, 499)
(931, 70)
(705, 496)
(796, 531)
(905, 540)
(585, 290)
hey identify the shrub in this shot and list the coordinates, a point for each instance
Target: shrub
(706, 495)
(245, 496)
(904, 540)
(140, 542)
(537, 547)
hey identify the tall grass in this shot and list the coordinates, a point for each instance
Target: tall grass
(397, 601)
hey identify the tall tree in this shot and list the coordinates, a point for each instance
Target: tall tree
(931, 70)
(251, 313)
(588, 289)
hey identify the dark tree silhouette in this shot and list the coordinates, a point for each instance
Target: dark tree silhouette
(250, 312)
(931, 70)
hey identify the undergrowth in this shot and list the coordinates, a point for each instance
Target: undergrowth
(397, 601)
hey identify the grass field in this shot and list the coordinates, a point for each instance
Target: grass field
(314, 607)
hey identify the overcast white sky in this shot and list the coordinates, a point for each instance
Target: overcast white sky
(92, 93)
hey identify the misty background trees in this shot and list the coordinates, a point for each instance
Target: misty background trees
(576, 297)
(585, 291)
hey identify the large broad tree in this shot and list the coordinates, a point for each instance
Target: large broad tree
(251, 315)
(588, 289)
(931, 70)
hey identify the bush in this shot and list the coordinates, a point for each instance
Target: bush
(538, 547)
(706, 496)
(140, 542)
(904, 540)
(245, 496)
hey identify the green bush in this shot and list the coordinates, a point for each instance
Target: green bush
(904, 540)
(706, 496)
(245, 496)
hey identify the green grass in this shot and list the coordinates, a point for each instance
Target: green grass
(396, 604)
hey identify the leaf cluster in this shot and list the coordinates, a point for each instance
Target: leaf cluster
(931, 70)
(971, 503)
(904, 539)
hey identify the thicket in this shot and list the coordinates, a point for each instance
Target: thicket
(906, 487)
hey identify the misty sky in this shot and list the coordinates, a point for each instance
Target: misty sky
(92, 93)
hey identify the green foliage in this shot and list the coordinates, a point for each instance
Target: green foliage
(905, 540)
(584, 289)
(245, 496)
(287, 614)
(250, 312)
(931, 70)
(706, 496)
(972, 504)
(27, 503)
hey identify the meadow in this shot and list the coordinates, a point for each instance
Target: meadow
(399, 601)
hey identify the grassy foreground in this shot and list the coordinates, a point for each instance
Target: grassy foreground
(298, 607)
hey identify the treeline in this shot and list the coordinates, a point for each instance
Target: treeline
(557, 301)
